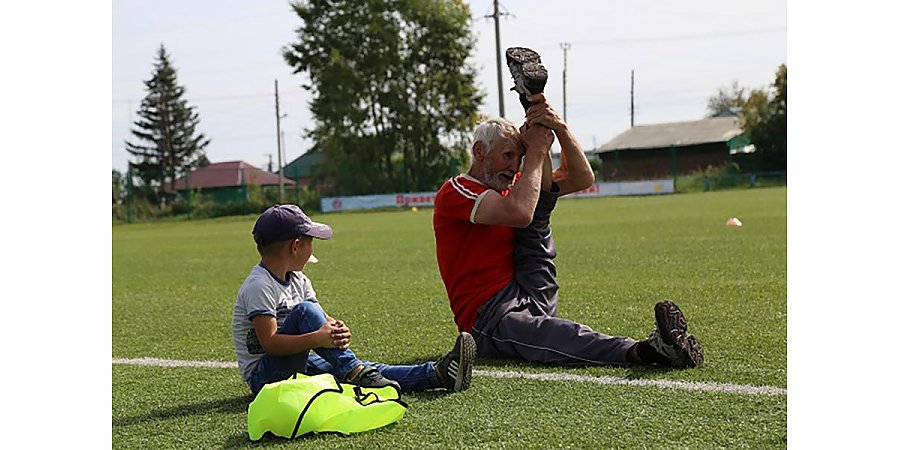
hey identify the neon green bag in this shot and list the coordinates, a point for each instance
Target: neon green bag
(304, 404)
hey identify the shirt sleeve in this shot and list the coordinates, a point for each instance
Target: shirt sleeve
(459, 199)
(260, 300)
(309, 294)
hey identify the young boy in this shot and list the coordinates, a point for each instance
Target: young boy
(277, 320)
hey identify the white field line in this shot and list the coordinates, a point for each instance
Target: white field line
(703, 386)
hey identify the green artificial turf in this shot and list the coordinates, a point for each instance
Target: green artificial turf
(174, 286)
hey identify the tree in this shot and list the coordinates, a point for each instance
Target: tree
(727, 101)
(118, 186)
(394, 100)
(764, 121)
(167, 141)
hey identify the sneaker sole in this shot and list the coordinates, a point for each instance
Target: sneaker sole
(529, 64)
(467, 351)
(522, 55)
(673, 330)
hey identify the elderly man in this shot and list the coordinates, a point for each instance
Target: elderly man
(495, 253)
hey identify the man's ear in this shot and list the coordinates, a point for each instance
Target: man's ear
(478, 151)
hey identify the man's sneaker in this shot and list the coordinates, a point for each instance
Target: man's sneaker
(671, 338)
(369, 377)
(454, 370)
(529, 75)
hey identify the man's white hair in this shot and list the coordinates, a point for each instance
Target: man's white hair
(492, 129)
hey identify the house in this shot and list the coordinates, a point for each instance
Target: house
(227, 181)
(591, 155)
(670, 149)
(300, 169)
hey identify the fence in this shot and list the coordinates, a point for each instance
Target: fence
(645, 187)
(719, 180)
(252, 198)
(246, 197)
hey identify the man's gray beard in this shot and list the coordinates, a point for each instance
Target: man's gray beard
(493, 181)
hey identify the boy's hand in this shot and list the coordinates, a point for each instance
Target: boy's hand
(335, 334)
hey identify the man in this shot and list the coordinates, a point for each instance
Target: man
(495, 252)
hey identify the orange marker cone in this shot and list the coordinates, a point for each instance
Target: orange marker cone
(733, 222)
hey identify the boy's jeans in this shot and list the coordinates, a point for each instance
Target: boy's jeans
(307, 317)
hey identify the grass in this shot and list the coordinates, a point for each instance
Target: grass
(174, 286)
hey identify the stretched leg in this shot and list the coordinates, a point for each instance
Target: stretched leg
(529, 334)
(412, 378)
(535, 271)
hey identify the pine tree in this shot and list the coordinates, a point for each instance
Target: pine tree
(168, 143)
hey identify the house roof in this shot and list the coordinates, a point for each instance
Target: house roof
(229, 174)
(302, 166)
(678, 134)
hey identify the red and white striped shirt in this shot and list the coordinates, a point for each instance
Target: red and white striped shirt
(475, 260)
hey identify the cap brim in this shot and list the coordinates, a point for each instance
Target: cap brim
(319, 230)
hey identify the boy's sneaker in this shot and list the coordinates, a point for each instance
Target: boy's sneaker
(454, 370)
(529, 75)
(671, 338)
(369, 377)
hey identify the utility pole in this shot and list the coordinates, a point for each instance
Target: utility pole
(270, 161)
(632, 98)
(278, 117)
(283, 146)
(565, 47)
(496, 16)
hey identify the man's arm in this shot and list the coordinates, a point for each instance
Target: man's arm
(574, 172)
(277, 344)
(517, 208)
(547, 173)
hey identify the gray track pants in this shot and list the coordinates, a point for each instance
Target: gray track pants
(520, 321)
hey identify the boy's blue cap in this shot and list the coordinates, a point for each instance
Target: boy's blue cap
(286, 222)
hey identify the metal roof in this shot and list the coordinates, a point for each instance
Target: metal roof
(678, 134)
(230, 174)
(302, 166)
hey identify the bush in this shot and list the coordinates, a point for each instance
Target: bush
(202, 206)
(141, 209)
(719, 178)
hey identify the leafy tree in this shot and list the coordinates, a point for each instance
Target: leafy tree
(167, 142)
(394, 100)
(727, 101)
(763, 116)
(764, 121)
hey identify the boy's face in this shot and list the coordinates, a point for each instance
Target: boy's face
(301, 250)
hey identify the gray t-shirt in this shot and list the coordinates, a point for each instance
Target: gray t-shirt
(262, 293)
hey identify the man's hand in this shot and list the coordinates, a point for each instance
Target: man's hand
(537, 140)
(574, 172)
(542, 113)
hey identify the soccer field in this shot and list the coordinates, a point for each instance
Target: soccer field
(174, 286)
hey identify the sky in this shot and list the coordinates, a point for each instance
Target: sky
(227, 54)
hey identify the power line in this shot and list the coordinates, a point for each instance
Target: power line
(683, 37)
(219, 97)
